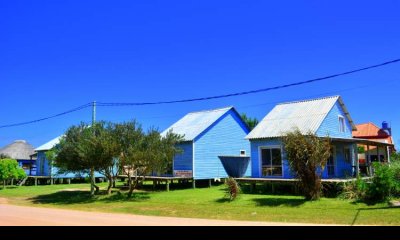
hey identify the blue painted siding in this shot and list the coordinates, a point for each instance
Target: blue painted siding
(43, 168)
(330, 125)
(225, 137)
(343, 169)
(184, 161)
(256, 161)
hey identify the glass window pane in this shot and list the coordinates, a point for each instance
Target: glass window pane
(266, 157)
(276, 157)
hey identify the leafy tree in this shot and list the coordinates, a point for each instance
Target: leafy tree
(144, 153)
(9, 169)
(130, 139)
(75, 154)
(307, 156)
(251, 122)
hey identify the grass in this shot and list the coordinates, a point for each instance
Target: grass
(207, 203)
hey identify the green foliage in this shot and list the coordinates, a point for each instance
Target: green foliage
(356, 190)
(110, 148)
(9, 169)
(382, 184)
(251, 122)
(232, 188)
(3, 156)
(395, 157)
(307, 156)
(361, 149)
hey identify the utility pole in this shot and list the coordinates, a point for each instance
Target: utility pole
(92, 178)
(94, 113)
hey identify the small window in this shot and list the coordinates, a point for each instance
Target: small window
(347, 155)
(271, 162)
(242, 152)
(341, 124)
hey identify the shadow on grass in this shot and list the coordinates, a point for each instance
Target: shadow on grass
(83, 197)
(275, 202)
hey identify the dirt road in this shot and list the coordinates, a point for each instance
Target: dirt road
(11, 215)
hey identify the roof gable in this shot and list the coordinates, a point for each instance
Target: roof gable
(307, 115)
(195, 123)
(49, 145)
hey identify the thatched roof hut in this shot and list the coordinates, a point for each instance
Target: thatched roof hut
(19, 149)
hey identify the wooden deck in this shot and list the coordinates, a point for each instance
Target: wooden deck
(280, 180)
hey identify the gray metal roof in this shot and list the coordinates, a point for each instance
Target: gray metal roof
(19, 149)
(193, 124)
(306, 115)
(49, 145)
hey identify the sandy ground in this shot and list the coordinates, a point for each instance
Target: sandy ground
(11, 215)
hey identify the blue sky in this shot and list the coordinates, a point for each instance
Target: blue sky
(57, 55)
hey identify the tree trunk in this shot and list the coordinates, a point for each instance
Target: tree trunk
(4, 184)
(110, 184)
(130, 186)
(92, 182)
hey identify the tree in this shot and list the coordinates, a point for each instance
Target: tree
(9, 169)
(307, 156)
(250, 122)
(73, 153)
(144, 153)
(161, 150)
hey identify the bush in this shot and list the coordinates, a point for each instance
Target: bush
(307, 156)
(355, 190)
(232, 189)
(396, 177)
(382, 184)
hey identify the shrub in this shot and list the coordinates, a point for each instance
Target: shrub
(382, 184)
(396, 178)
(307, 156)
(232, 189)
(355, 190)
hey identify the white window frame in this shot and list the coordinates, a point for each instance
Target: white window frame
(340, 124)
(244, 154)
(260, 159)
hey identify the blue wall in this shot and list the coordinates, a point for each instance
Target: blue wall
(184, 161)
(49, 170)
(225, 137)
(256, 161)
(343, 169)
(330, 125)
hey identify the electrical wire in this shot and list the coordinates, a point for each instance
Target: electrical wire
(252, 91)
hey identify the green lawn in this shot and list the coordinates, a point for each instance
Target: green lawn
(207, 203)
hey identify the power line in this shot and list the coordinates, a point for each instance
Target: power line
(203, 98)
(46, 118)
(252, 91)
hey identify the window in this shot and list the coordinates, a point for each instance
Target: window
(341, 124)
(330, 165)
(271, 162)
(242, 152)
(347, 155)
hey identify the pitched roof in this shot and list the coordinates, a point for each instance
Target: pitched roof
(19, 149)
(195, 123)
(370, 130)
(306, 115)
(49, 145)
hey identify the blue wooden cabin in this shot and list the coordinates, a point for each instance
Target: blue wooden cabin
(325, 117)
(45, 168)
(207, 135)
